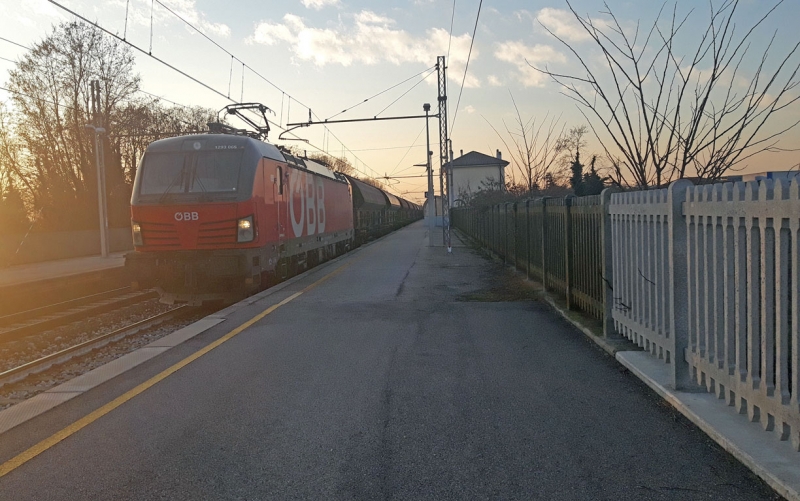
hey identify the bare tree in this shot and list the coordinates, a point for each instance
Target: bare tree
(138, 122)
(534, 148)
(50, 89)
(13, 213)
(661, 115)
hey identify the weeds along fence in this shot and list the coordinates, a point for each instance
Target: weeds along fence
(704, 278)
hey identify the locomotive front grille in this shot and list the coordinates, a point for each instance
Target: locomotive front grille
(160, 236)
(216, 233)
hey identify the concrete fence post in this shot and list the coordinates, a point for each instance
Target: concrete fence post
(568, 272)
(679, 287)
(607, 269)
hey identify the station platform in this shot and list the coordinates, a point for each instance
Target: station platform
(397, 371)
(28, 286)
(37, 272)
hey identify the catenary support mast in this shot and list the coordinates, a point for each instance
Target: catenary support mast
(444, 179)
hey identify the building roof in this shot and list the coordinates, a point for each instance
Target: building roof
(475, 159)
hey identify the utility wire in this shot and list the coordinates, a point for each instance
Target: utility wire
(379, 93)
(450, 38)
(205, 85)
(38, 99)
(406, 92)
(15, 43)
(190, 77)
(137, 90)
(408, 150)
(474, 31)
(289, 96)
(223, 49)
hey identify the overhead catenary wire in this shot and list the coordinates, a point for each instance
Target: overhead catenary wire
(281, 90)
(125, 31)
(223, 49)
(380, 93)
(15, 43)
(200, 82)
(450, 38)
(406, 92)
(38, 99)
(466, 68)
(190, 77)
(142, 91)
(408, 150)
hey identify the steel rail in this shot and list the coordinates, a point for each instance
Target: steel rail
(42, 364)
(22, 316)
(68, 316)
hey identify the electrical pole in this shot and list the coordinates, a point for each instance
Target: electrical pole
(102, 206)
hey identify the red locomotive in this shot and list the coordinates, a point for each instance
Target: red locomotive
(221, 215)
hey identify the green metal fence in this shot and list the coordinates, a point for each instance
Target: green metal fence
(556, 241)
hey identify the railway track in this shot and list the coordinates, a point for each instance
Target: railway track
(19, 325)
(44, 346)
(44, 363)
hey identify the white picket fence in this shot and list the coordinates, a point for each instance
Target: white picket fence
(703, 278)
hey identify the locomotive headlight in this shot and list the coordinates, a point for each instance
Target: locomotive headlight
(136, 229)
(247, 230)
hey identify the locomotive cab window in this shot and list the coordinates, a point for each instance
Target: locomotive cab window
(191, 172)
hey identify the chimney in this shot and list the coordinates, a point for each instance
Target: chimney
(462, 153)
(499, 155)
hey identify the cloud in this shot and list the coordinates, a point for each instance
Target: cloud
(469, 109)
(494, 81)
(520, 55)
(563, 24)
(318, 4)
(370, 38)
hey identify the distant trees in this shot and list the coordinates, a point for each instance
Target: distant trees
(51, 93)
(661, 114)
(13, 213)
(47, 159)
(337, 164)
(534, 148)
(340, 164)
(582, 183)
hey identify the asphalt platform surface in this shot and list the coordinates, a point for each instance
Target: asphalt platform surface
(407, 374)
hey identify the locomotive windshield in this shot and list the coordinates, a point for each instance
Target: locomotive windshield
(190, 172)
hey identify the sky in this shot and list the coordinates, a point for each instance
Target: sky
(332, 55)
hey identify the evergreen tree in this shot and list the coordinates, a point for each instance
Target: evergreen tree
(592, 183)
(576, 181)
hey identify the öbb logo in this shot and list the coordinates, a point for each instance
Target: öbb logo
(186, 216)
(308, 195)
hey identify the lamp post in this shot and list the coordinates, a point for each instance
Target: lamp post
(431, 197)
(101, 190)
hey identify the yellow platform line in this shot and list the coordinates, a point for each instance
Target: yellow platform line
(22, 458)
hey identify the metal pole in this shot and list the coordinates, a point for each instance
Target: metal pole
(101, 189)
(431, 198)
(450, 187)
(444, 187)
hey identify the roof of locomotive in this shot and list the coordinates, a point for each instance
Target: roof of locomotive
(215, 141)
(221, 141)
